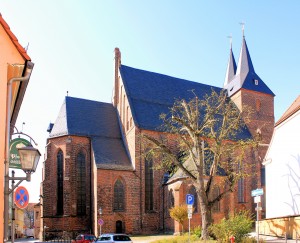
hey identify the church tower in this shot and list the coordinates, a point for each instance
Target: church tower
(246, 88)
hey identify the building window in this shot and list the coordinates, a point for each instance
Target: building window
(60, 183)
(257, 105)
(81, 183)
(215, 194)
(193, 192)
(148, 184)
(127, 117)
(171, 199)
(119, 196)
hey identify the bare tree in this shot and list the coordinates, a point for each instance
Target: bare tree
(210, 143)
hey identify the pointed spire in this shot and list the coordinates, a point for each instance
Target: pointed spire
(245, 64)
(231, 67)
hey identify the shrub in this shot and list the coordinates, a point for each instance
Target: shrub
(179, 213)
(196, 231)
(238, 225)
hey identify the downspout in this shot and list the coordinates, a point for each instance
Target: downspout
(29, 67)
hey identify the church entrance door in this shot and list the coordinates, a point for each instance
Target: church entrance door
(119, 226)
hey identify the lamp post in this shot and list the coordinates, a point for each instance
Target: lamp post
(29, 158)
(100, 223)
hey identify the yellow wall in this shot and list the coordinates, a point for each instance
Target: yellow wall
(289, 226)
(9, 55)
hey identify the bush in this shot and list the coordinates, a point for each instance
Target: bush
(239, 226)
(196, 231)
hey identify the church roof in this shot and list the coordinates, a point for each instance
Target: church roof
(245, 76)
(151, 94)
(99, 121)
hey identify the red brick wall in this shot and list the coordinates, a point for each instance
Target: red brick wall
(69, 221)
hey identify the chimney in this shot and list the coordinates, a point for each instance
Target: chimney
(117, 83)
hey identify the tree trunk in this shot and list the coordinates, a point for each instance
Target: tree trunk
(205, 218)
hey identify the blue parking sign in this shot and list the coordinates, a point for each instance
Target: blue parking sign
(189, 199)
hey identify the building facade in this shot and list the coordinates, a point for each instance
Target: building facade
(95, 171)
(13, 64)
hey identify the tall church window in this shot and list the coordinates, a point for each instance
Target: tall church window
(60, 183)
(119, 196)
(148, 184)
(193, 192)
(81, 183)
(215, 194)
(241, 186)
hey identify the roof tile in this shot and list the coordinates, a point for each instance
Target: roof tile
(14, 39)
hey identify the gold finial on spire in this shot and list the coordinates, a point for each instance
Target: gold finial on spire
(243, 28)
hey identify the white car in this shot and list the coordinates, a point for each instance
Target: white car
(110, 238)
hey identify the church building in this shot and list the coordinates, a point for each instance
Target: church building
(95, 174)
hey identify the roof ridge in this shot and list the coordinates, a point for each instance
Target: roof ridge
(14, 39)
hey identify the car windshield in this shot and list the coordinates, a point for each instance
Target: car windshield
(104, 238)
(121, 238)
(89, 237)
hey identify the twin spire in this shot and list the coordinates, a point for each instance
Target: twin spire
(243, 75)
(244, 66)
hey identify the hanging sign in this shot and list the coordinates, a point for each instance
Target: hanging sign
(21, 197)
(14, 157)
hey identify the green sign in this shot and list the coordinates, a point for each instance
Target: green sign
(14, 157)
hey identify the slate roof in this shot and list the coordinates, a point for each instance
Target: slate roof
(231, 68)
(98, 121)
(245, 75)
(151, 94)
(14, 39)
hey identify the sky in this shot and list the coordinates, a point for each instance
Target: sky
(71, 43)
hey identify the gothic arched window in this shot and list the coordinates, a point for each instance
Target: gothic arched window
(60, 183)
(81, 183)
(119, 196)
(171, 199)
(216, 193)
(148, 184)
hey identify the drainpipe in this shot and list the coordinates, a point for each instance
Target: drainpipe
(29, 67)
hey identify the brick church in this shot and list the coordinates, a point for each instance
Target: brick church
(94, 153)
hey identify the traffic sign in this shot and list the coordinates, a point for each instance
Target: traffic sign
(100, 222)
(189, 199)
(21, 197)
(190, 210)
(257, 192)
(189, 215)
(257, 199)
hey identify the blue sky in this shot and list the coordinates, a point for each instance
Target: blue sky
(72, 45)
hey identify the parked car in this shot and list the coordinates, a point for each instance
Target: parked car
(110, 238)
(84, 238)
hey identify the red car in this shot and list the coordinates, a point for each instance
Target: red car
(84, 238)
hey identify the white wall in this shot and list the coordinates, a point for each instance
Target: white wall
(283, 170)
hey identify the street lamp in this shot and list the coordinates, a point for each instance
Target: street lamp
(29, 158)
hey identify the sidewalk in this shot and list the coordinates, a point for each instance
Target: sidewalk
(274, 239)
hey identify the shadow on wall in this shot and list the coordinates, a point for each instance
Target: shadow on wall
(293, 178)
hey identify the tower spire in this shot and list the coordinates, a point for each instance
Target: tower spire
(231, 66)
